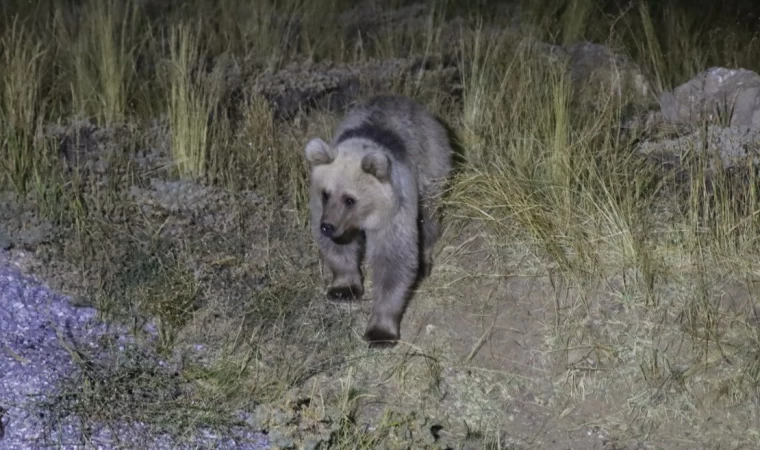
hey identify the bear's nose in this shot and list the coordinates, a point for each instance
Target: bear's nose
(327, 229)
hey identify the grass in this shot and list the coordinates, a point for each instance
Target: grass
(191, 101)
(101, 57)
(564, 251)
(23, 60)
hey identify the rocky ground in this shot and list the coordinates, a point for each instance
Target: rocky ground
(44, 338)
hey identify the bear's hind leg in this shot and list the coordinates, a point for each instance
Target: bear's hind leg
(344, 262)
(429, 234)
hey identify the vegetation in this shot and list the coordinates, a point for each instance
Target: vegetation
(576, 282)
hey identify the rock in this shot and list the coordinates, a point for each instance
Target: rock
(593, 64)
(732, 146)
(719, 95)
(727, 101)
(592, 67)
(332, 86)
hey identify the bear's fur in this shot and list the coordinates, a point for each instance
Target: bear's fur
(374, 190)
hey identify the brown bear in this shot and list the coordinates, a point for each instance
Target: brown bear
(375, 191)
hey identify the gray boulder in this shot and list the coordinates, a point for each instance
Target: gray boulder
(596, 68)
(715, 114)
(727, 97)
(592, 65)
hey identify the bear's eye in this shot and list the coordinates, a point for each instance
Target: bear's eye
(325, 196)
(349, 202)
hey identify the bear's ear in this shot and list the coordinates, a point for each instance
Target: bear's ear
(377, 164)
(318, 152)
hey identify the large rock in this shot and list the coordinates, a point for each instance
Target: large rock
(332, 86)
(729, 97)
(596, 68)
(592, 65)
(715, 114)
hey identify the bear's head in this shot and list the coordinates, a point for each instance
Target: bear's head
(353, 183)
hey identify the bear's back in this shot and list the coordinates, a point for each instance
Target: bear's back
(406, 129)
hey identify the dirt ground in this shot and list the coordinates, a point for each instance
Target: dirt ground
(481, 353)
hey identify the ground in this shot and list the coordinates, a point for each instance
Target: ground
(581, 297)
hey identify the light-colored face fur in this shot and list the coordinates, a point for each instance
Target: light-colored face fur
(353, 185)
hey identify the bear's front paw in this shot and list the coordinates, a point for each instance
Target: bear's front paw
(379, 337)
(345, 293)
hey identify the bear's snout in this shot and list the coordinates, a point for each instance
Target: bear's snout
(327, 229)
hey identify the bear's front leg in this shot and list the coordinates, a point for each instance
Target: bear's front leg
(394, 258)
(344, 262)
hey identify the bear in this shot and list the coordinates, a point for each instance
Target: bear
(375, 191)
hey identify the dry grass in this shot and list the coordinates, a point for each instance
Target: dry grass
(23, 60)
(192, 99)
(99, 56)
(642, 266)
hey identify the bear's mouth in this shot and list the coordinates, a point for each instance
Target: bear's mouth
(345, 237)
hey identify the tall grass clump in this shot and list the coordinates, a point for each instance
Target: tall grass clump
(252, 160)
(101, 42)
(271, 32)
(21, 105)
(542, 168)
(721, 209)
(193, 96)
(36, 14)
(575, 20)
(261, 29)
